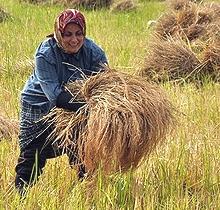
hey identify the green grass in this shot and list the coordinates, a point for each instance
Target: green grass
(181, 174)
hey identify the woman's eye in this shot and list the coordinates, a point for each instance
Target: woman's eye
(79, 33)
(67, 34)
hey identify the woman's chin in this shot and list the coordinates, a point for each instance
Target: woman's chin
(72, 51)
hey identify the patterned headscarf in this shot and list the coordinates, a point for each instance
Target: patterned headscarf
(65, 17)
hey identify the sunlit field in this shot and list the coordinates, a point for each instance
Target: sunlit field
(183, 173)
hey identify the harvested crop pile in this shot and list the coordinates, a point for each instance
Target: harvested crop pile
(92, 4)
(87, 4)
(187, 19)
(211, 57)
(171, 60)
(185, 43)
(35, 1)
(124, 5)
(123, 121)
(8, 128)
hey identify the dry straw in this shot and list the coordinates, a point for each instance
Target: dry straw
(166, 25)
(93, 4)
(124, 5)
(34, 1)
(211, 57)
(189, 20)
(178, 4)
(171, 59)
(187, 43)
(8, 128)
(87, 4)
(175, 23)
(123, 121)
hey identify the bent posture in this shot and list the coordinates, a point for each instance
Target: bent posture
(65, 56)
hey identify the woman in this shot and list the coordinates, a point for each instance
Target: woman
(65, 56)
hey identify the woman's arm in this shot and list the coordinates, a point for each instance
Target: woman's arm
(49, 81)
(47, 75)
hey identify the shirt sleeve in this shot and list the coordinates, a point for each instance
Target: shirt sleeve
(47, 76)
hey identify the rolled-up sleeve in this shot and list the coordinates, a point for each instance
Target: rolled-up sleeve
(47, 75)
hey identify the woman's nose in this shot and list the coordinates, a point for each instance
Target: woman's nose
(73, 38)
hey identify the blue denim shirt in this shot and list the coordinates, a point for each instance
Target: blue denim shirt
(54, 68)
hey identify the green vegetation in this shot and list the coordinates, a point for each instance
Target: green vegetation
(182, 174)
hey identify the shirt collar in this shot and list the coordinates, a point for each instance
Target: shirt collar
(73, 55)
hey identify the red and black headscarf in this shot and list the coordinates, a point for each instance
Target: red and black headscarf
(65, 17)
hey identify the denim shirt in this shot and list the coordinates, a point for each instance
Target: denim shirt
(54, 68)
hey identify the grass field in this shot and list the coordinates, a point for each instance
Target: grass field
(184, 173)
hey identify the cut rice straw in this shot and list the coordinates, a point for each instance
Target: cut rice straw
(171, 60)
(123, 121)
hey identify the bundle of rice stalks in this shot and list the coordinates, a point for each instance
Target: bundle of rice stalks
(8, 128)
(214, 7)
(87, 4)
(166, 25)
(187, 16)
(178, 4)
(125, 119)
(213, 32)
(205, 15)
(211, 57)
(197, 25)
(181, 23)
(181, 4)
(124, 5)
(4, 15)
(35, 1)
(193, 32)
(188, 20)
(96, 4)
(171, 59)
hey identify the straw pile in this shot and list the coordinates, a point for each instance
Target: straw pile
(211, 57)
(34, 1)
(176, 61)
(124, 5)
(123, 121)
(92, 4)
(8, 128)
(197, 28)
(87, 4)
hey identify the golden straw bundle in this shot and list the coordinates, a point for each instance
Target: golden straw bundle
(185, 44)
(178, 4)
(211, 57)
(124, 5)
(87, 4)
(171, 60)
(166, 25)
(188, 19)
(125, 119)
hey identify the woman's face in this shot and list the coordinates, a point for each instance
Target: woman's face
(72, 38)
